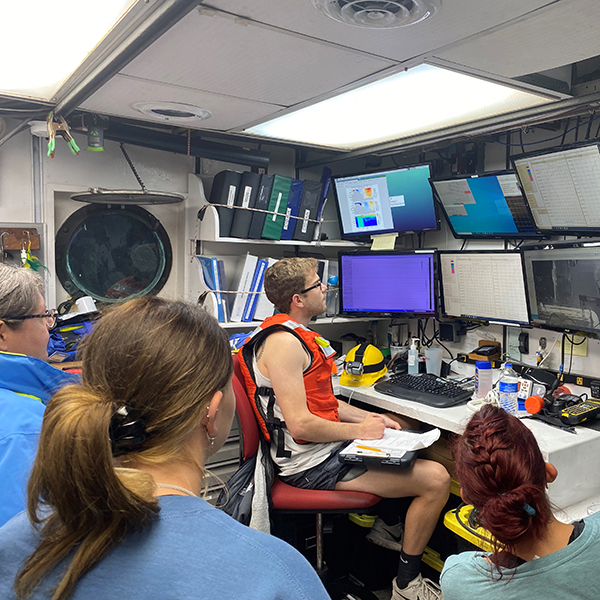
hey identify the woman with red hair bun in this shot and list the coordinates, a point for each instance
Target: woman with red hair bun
(503, 475)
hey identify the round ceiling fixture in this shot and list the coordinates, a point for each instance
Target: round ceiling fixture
(378, 14)
(173, 112)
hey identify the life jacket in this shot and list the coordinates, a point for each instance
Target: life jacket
(317, 377)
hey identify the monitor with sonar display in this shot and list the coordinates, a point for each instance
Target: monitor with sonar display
(490, 205)
(564, 287)
(381, 283)
(562, 188)
(399, 200)
(487, 286)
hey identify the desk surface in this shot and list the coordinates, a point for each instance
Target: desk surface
(574, 455)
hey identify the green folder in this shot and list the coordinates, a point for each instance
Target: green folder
(278, 203)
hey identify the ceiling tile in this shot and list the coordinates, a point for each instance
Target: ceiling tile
(118, 96)
(561, 34)
(221, 55)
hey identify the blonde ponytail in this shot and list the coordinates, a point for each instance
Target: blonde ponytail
(93, 504)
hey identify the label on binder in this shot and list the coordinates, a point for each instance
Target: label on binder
(286, 223)
(231, 195)
(305, 221)
(246, 198)
(277, 206)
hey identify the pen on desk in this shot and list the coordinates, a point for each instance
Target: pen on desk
(368, 448)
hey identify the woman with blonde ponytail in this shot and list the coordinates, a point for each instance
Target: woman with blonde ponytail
(113, 499)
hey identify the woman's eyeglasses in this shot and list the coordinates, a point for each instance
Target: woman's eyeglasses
(51, 317)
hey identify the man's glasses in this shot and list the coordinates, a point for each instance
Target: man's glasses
(51, 317)
(312, 287)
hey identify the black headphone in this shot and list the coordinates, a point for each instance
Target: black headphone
(356, 366)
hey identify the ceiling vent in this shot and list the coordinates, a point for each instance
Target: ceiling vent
(173, 112)
(377, 14)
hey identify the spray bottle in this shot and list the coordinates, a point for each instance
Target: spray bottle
(413, 357)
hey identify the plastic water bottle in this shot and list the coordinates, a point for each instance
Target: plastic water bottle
(332, 298)
(508, 388)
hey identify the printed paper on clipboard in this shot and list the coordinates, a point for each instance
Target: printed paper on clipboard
(393, 444)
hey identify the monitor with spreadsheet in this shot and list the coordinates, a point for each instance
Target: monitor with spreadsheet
(399, 200)
(562, 187)
(378, 283)
(486, 285)
(563, 284)
(489, 205)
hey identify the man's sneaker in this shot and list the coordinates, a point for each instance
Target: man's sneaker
(388, 536)
(418, 589)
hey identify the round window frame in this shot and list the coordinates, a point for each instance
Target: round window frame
(83, 215)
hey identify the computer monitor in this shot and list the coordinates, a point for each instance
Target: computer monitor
(490, 205)
(564, 287)
(399, 200)
(487, 286)
(387, 283)
(562, 188)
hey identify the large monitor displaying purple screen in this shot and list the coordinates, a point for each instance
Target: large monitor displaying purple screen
(387, 282)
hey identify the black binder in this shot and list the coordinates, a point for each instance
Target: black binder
(308, 210)
(246, 198)
(262, 202)
(223, 194)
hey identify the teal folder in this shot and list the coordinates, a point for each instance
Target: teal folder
(277, 204)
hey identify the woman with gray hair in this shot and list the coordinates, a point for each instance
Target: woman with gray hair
(26, 381)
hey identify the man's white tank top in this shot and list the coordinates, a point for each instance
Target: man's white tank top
(304, 456)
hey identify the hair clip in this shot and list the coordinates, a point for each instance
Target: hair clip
(529, 509)
(126, 432)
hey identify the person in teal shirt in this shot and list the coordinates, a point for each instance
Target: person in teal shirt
(503, 475)
(26, 381)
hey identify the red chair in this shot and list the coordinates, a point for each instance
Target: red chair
(287, 498)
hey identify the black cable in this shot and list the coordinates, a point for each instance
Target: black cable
(463, 245)
(564, 135)
(521, 141)
(437, 339)
(577, 128)
(597, 130)
(494, 141)
(588, 131)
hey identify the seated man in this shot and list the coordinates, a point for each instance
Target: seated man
(287, 369)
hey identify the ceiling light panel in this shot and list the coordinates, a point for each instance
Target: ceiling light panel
(419, 100)
(60, 36)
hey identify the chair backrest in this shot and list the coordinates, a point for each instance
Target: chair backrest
(245, 413)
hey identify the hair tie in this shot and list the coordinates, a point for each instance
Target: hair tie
(126, 432)
(529, 509)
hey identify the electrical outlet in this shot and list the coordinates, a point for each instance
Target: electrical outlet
(580, 347)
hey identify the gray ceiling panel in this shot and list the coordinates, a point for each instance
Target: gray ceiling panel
(225, 56)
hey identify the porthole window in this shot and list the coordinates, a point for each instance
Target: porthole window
(112, 253)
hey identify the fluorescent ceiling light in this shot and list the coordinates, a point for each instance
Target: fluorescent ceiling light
(415, 101)
(44, 41)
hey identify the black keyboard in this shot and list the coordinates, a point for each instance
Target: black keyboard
(426, 388)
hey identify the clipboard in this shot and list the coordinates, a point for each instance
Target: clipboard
(403, 462)
(389, 451)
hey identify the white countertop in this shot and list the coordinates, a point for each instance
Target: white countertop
(574, 455)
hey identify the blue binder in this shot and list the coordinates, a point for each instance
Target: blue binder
(257, 281)
(292, 209)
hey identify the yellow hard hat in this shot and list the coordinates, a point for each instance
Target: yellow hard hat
(364, 365)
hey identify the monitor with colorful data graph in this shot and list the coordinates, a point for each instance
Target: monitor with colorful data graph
(399, 200)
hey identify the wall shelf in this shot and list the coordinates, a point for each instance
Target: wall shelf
(208, 231)
(321, 321)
